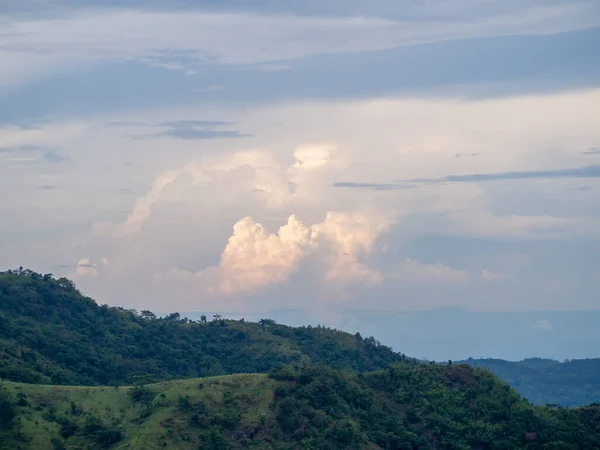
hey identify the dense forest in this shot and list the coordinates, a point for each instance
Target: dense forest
(545, 381)
(407, 406)
(50, 333)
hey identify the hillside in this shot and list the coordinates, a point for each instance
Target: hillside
(545, 381)
(51, 334)
(404, 407)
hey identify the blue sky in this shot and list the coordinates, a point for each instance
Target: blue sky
(323, 156)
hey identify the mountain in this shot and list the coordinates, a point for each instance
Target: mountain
(51, 334)
(407, 406)
(457, 334)
(545, 381)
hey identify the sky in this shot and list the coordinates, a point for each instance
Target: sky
(381, 155)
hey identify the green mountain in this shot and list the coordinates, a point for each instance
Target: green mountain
(77, 375)
(545, 381)
(407, 406)
(51, 334)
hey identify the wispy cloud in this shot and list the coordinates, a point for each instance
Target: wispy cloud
(592, 151)
(208, 124)
(52, 156)
(371, 186)
(592, 171)
(34, 153)
(194, 38)
(47, 187)
(123, 123)
(195, 130)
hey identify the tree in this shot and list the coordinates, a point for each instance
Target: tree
(173, 317)
(267, 323)
(7, 410)
(203, 318)
(148, 315)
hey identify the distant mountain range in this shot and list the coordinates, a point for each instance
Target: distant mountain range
(544, 381)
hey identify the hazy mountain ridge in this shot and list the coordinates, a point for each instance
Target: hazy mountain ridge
(546, 381)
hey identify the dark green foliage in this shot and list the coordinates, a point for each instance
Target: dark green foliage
(57, 444)
(102, 435)
(51, 334)
(106, 438)
(423, 406)
(22, 399)
(141, 394)
(545, 381)
(214, 440)
(68, 428)
(7, 409)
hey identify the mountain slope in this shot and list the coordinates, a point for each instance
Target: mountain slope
(404, 407)
(544, 381)
(50, 333)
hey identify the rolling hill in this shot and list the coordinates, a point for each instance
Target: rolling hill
(77, 375)
(51, 334)
(407, 406)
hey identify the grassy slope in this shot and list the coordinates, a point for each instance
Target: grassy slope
(404, 407)
(115, 408)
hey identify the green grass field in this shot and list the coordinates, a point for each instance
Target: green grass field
(160, 421)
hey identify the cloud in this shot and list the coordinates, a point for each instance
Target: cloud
(195, 133)
(336, 249)
(349, 236)
(259, 173)
(207, 124)
(592, 151)
(141, 207)
(85, 268)
(368, 186)
(34, 153)
(52, 156)
(47, 187)
(254, 258)
(415, 273)
(592, 171)
(191, 39)
(491, 276)
(195, 130)
(543, 324)
(123, 123)
(183, 218)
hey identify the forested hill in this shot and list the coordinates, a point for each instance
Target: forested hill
(50, 333)
(406, 406)
(545, 381)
